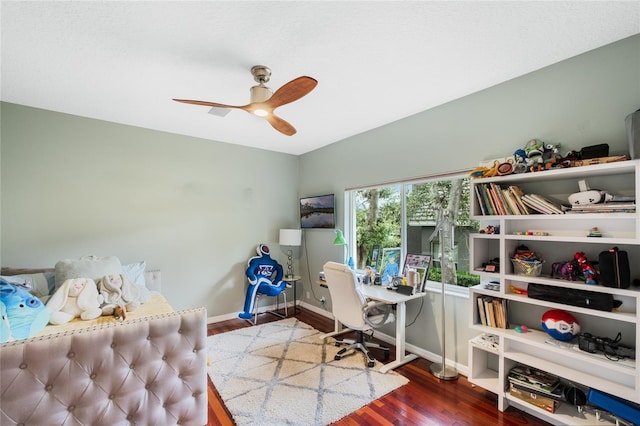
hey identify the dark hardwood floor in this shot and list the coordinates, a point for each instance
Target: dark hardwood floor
(425, 400)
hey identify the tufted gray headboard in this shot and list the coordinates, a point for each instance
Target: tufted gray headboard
(147, 371)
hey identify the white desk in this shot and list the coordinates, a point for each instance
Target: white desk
(381, 294)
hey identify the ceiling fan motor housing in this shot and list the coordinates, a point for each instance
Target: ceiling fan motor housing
(260, 93)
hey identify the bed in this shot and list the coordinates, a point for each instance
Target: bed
(147, 370)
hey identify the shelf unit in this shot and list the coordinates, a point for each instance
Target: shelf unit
(565, 234)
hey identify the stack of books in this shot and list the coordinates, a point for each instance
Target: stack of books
(536, 387)
(492, 312)
(542, 204)
(496, 200)
(610, 207)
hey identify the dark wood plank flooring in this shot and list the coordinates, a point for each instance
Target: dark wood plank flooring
(425, 400)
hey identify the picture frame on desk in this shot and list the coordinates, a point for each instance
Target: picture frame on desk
(389, 264)
(375, 256)
(420, 263)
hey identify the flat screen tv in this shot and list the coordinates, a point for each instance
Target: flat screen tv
(318, 212)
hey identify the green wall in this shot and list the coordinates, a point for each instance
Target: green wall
(196, 209)
(578, 102)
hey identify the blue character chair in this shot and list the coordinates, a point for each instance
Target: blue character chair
(265, 279)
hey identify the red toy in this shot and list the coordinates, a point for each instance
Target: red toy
(588, 271)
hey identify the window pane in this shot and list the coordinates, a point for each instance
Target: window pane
(382, 242)
(378, 214)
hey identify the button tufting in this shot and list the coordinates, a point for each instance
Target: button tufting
(71, 408)
(147, 386)
(164, 357)
(112, 397)
(132, 366)
(129, 417)
(195, 351)
(71, 355)
(23, 366)
(113, 345)
(148, 337)
(93, 376)
(180, 330)
(48, 387)
(20, 424)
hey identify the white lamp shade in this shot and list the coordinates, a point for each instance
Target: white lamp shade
(290, 237)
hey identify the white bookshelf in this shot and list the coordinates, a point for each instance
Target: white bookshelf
(567, 234)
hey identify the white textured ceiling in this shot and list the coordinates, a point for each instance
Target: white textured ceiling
(376, 62)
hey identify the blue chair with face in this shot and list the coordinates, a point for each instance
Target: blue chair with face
(265, 279)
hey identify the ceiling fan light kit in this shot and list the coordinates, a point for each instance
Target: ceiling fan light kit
(263, 101)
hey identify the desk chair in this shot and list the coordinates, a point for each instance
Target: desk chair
(353, 311)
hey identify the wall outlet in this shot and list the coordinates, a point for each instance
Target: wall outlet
(323, 301)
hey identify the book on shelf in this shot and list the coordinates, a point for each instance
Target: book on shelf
(517, 193)
(497, 204)
(557, 393)
(534, 379)
(502, 203)
(488, 200)
(490, 341)
(542, 204)
(511, 201)
(607, 207)
(481, 202)
(492, 311)
(481, 311)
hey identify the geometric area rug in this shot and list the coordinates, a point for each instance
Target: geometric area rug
(283, 373)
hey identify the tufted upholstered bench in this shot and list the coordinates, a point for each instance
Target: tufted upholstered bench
(144, 371)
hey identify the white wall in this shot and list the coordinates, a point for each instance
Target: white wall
(578, 102)
(193, 208)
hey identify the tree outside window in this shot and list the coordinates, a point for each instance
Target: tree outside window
(437, 222)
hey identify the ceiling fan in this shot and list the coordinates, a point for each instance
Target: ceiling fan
(264, 101)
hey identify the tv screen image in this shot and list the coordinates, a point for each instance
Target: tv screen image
(318, 212)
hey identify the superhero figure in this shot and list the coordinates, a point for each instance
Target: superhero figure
(265, 277)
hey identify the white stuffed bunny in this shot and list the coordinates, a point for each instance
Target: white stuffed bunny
(77, 297)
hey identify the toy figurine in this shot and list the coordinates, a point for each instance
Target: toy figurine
(588, 271)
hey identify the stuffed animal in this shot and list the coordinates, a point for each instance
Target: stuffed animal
(77, 297)
(118, 290)
(5, 328)
(23, 314)
(265, 277)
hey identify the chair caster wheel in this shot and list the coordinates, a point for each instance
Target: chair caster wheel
(371, 364)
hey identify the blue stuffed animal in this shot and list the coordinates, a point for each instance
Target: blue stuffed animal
(25, 313)
(265, 277)
(5, 328)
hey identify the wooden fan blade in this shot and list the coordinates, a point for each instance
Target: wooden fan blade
(280, 125)
(210, 104)
(292, 91)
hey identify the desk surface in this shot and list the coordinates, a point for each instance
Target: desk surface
(381, 293)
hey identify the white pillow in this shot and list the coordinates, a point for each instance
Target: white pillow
(93, 267)
(135, 272)
(41, 285)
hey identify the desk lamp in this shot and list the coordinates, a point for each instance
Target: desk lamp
(290, 238)
(340, 241)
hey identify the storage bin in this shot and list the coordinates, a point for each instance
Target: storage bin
(527, 267)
